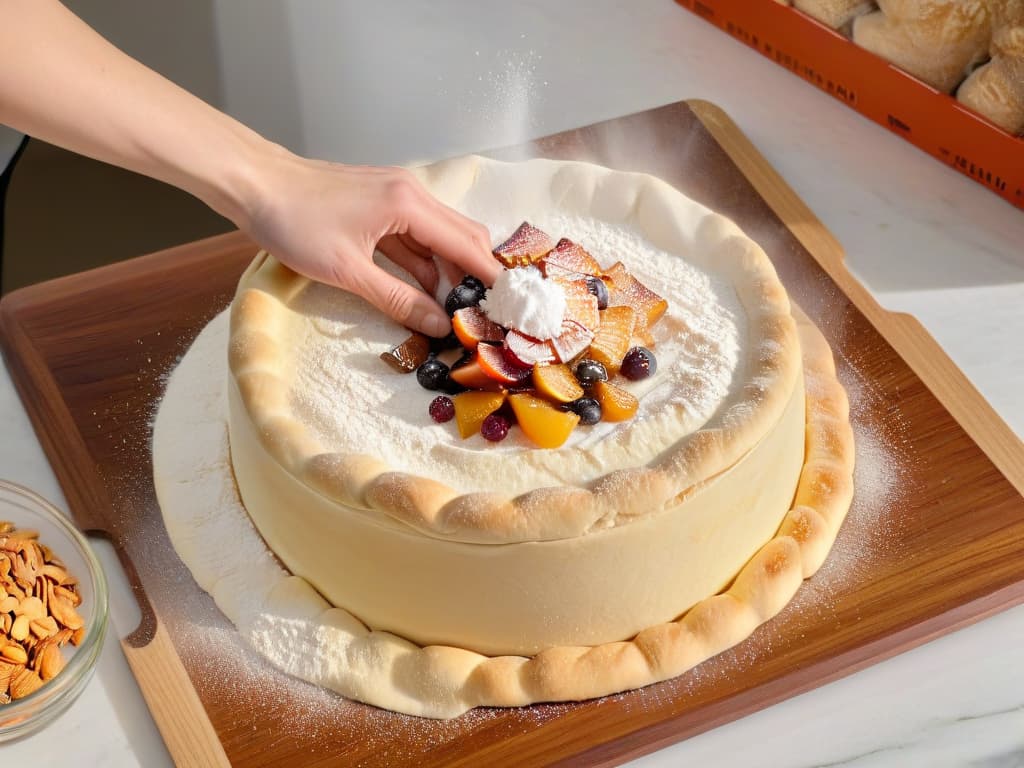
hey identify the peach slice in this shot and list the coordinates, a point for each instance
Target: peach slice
(546, 425)
(613, 337)
(471, 408)
(494, 364)
(471, 326)
(526, 246)
(626, 290)
(617, 404)
(569, 258)
(557, 383)
(472, 376)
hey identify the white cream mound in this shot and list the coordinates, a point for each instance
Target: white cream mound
(354, 403)
(522, 299)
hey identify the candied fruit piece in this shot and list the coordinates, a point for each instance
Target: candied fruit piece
(573, 339)
(471, 408)
(626, 290)
(472, 326)
(545, 424)
(617, 404)
(526, 246)
(580, 303)
(569, 258)
(409, 355)
(557, 383)
(613, 337)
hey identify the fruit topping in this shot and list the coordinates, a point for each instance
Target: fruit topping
(468, 373)
(573, 339)
(597, 287)
(460, 297)
(432, 374)
(557, 383)
(442, 409)
(613, 337)
(589, 372)
(495, 428)
(471, 408)
(471, 326)
(569, 258)
(639, 363)
(409, 355)
(437, 345)
(626, 290)
(473, 282)
(527, 245)
(546, 425)
(616, 403)
(587, 408)
(526, 351)
(493, 363)
(580, 303)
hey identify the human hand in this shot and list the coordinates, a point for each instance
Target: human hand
(324, 220)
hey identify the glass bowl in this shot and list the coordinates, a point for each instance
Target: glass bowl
(29, 510)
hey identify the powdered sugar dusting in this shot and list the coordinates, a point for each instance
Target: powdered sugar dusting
(342, 391)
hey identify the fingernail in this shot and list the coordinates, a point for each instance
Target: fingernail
(436, 325)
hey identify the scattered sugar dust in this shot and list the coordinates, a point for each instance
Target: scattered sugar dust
(505, 97)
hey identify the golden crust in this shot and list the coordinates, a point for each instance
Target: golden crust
(260, 317)
(442, 682)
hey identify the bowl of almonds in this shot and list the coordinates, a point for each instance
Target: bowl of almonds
(53, 611)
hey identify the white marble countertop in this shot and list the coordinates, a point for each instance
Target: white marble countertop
(924, 240)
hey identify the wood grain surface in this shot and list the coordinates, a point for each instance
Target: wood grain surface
(934, 540)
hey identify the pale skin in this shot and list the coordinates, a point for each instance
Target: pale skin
(63, 83)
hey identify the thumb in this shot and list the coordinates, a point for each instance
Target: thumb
(404, 303)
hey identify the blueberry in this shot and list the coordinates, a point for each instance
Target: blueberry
(589, 372)
(587, 408)
(460, 297)
(597, 287)
(433, 374)
(475, 283)
(451, 341)
(639, 363)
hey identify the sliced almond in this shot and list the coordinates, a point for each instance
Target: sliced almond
(63, 611)
(7, 670)
(44, 627)
(50, 662)
(71, 596)
(78, 636)
(9, 604)
(24, 683)
(32, 607)
(19, 630)
(14, 653)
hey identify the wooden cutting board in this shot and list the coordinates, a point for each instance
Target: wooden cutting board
(934, 541)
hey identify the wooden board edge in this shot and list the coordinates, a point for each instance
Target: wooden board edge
(904, 332)
(172, 700)
(52, 422)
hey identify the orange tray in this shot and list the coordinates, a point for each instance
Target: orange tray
(927, 118)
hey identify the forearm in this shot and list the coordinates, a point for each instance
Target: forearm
(63, 83)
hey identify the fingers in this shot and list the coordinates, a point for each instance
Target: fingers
(405, 303)
(449, 234)
(418, 263)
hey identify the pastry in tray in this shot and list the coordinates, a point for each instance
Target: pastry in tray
(570, 497)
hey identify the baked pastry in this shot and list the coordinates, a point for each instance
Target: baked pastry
(996, 89)
(837, 14)
(465, 574)
(938, 41)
